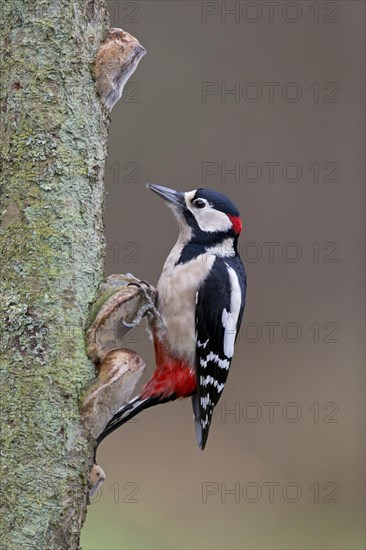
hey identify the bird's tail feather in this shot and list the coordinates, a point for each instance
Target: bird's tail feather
(201, 432)
(128, 411)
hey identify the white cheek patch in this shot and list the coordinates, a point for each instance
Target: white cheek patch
(212, 220)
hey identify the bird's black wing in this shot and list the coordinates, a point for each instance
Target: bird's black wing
(219, 311)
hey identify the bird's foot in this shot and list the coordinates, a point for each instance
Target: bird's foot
(144, 289)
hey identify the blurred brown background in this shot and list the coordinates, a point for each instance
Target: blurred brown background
(264, 102)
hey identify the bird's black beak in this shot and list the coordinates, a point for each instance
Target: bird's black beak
(170, 195)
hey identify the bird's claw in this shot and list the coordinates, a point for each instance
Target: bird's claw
(139, 285)
(147, 307)
(130, 325)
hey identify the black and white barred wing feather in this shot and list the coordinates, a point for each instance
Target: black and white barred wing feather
(219, 311)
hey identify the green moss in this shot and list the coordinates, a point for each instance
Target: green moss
(50, 273)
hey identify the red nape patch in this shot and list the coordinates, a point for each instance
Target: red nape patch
(237, 225)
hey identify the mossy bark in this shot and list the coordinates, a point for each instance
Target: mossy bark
(53, 152)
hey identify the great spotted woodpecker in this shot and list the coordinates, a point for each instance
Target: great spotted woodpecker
(201, 297)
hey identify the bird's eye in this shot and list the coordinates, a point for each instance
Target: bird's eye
(199, 203)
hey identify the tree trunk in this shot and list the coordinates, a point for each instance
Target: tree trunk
(53, 152)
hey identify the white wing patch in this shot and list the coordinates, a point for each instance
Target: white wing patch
(230, 319)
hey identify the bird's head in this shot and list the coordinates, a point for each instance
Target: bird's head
(209, 215)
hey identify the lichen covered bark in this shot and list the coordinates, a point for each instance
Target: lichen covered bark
(53, 151)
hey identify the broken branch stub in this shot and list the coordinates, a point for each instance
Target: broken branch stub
(119, 373)
(119, 368)
(121, 299)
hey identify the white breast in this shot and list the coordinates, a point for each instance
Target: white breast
(177, 289)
